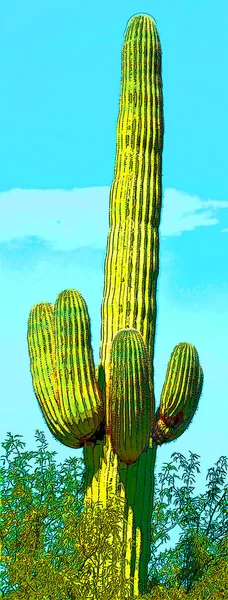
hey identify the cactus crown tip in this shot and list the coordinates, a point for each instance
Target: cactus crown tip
(139, 17)
(136, 23)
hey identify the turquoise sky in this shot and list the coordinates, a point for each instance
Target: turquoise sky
(59, 93)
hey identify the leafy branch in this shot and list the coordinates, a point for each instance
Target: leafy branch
(48, 537)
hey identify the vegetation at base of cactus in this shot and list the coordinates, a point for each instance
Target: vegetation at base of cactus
(199, 560)
(115, 423)
(48, 539)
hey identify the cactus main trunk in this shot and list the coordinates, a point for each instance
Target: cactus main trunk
(131, 265)
(131, 271)
(111, 413)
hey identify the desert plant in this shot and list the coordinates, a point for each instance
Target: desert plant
(110, 412)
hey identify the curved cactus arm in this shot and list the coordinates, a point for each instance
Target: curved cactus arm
(62, 368)
(180, 394)
(131, 405)
(41, 345)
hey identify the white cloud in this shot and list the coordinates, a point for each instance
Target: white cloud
(182, 212)
(70, 219)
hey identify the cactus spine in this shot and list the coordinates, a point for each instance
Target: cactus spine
(111, 411)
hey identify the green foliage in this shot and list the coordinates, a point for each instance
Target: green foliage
(46, 547)
(34, 503)
(203, 520)
(48, 536)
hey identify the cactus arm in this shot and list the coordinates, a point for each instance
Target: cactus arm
(131, 410)
(180, 394)
(62, 368)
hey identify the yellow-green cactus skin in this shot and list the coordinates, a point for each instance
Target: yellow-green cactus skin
(110, 411)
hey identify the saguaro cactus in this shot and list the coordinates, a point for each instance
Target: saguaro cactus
(110, 411)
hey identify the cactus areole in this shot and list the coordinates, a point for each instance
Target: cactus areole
(110, 410)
